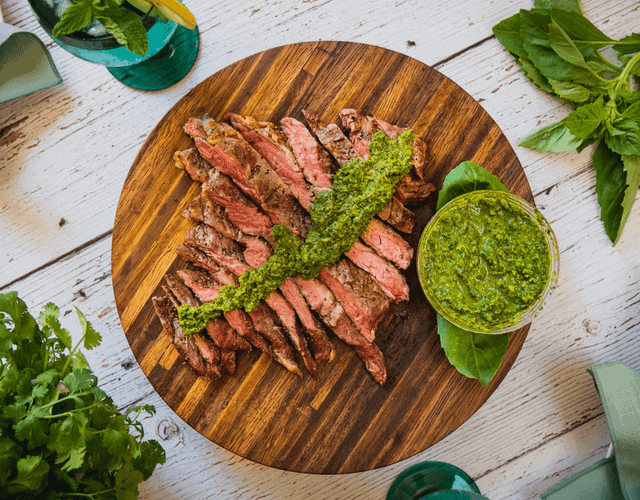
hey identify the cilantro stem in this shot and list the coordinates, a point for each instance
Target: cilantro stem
(76, 410)
(90, 495)
(77, 394)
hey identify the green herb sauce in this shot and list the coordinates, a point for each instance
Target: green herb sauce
(486, 261)
(361, 189)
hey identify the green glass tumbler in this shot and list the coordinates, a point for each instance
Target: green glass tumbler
(434, 481)
(172, 51)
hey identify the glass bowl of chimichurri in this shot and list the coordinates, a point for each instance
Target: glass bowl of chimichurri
(488, 261)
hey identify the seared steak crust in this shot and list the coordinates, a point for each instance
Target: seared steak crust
(272, 145)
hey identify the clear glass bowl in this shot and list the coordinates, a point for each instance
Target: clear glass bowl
(521, 319)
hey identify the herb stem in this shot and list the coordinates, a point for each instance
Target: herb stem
(623, 79)
(609, 64)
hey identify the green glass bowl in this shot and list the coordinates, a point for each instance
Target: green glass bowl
(521, 319)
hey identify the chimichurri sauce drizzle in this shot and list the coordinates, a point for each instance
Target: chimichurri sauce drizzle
(361, 189)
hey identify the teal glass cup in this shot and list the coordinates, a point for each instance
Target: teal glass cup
(434, 481)
(172, 51)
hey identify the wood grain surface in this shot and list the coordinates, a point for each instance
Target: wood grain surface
(343, 422)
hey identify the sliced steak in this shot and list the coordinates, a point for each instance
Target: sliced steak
(203, 209)
(314, 160)
(218, 329)
(190, 161)
(227, 253)
(419, 146)
(272, 145)
(225, 148)
(334, 140)
(239, 209)
(411, 189)
(384, 240)
(324, 303)
(187, 347)
(362, 298)
(387, 276)
(207, 289)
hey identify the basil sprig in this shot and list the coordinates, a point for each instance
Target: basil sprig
(559, 51)
(475, 355)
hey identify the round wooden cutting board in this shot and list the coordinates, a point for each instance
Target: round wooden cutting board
(343, 422)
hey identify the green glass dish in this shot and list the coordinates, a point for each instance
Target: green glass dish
(446, 307)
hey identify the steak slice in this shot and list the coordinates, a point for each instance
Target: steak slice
(359, 294)
(271, 143)
(387, 276)
(334, 140)
(314, 160)
(227, 253)
(389, 244)
(324, 303)
(239, 209)
(411, 189)
(188, 347)
(419, 146)
(218, 329)
(225, 148)
(190, 161)
(203, 209)
(266, 323)
(207, 289)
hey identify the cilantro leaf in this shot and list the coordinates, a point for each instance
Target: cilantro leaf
(49, 318)
(79, 380)
(31, 471)
(91, 337)
(151, 455)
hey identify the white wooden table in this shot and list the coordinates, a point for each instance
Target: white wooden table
(65, 153)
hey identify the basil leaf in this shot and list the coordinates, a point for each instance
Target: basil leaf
(617, 180)
(570, 91)
(570, 5)
(629, 44)
(475, 355)
(562, 45)
(587, 120)
(508, 34)
(579, 29)
(553, 138)
(537, 43)
(465, 178)
(624, 137)
(535, 75)
(633, 111)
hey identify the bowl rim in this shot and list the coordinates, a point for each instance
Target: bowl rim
(525, 317)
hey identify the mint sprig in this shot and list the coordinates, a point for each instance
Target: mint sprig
(123, 24)
(559, 51)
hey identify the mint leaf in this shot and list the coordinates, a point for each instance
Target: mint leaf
(467, 177)
(475, 355)
(76, 17)
(553, 138)
(126, 27)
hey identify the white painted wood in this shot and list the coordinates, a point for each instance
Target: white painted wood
(65, 153)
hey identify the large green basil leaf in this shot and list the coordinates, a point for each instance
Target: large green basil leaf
(553, 138)
(579, 29)
(467, 177)
(623, 137)
(587, 121)
(617, 181)
(570, 5)
(535, 75)
(475, 355)
(508, 34)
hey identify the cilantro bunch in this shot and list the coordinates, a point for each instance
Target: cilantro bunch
(560, 51)
(61, 436)
(121, 22)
